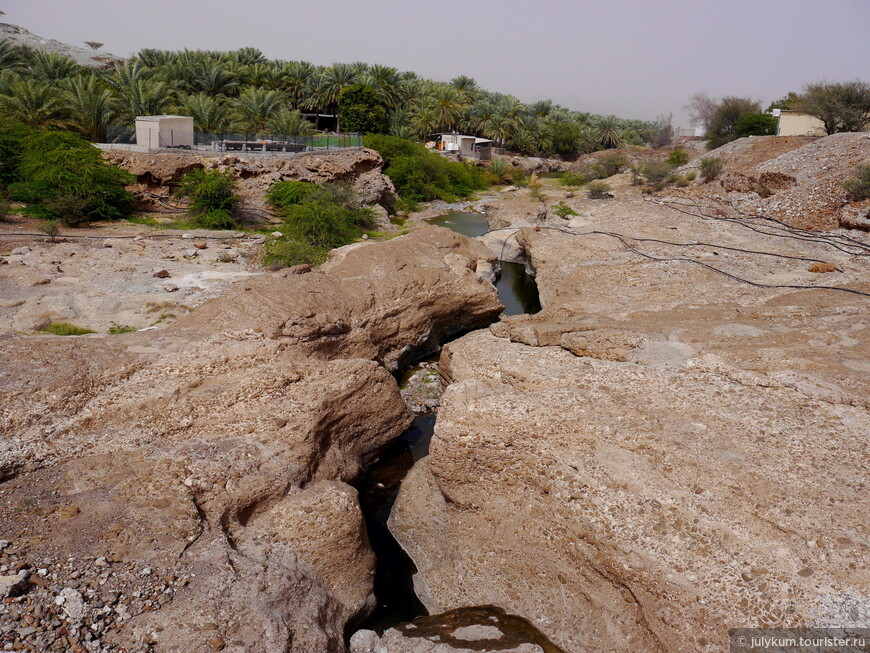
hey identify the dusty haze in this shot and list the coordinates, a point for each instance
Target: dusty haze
(634, 58)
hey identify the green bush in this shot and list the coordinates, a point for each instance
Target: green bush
(328, 216)
(656, 173)
(678, 158)
(64, 329)
(611, 163)
(212, 198)
(360, 110)
(283, 194)
(691, 175)
(563, 210)
(4, 209)
(711, 167)
(858, 188)
(422, 176)
(284, 252)
(757, 124)
(63, 177)
(573, 179)
(117, 329)
(518, 177)
(598, 190)
(12, 135)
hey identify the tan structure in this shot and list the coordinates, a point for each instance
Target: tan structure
(797, 123)
(155, 132)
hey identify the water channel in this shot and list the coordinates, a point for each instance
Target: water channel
(397, 604)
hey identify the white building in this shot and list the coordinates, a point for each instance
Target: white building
(154, 132)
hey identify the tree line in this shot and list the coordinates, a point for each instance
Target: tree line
(244, 91)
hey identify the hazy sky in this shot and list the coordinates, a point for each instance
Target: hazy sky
(634, 58)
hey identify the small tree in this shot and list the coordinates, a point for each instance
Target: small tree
(360, 110)
(858, 187)
(723, 125)
(841, 106)
(94, 45)
(711, 167)
(212, 197)
(611, 162)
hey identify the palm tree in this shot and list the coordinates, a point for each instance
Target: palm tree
(424, 120)
(213, 79)
(296, 79)
(210, 114)
(12, 57)
(404, 131)
(92, 106)
(608, 133)
(385, 80)
(255, 107)
(51, 67)
(333, 80)
(448, 106)
(247, 56)
(290, 123)
(466, 86)
(33, 103)
(138, 91)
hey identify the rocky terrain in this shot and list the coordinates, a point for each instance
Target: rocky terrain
(157, 172)
(82, 56)
(796, 179)
(675, 445)
(186, 488)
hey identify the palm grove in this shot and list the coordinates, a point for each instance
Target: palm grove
(243, 91)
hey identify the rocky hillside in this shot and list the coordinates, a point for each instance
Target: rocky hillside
(84, 56)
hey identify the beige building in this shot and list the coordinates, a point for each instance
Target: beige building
(797, 123)
(154, 132)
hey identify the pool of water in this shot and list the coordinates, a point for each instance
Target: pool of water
(467, 224)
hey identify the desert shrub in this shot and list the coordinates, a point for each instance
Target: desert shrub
(422, 176)
(711, 167)
(611, 163)
(678, 158)
(858, 187)
(212, 198)
(60, 171)
(656, 173)
(679, 181)
(563, 210)
(118, 329)
(598, 190)
(64, 329)
(282, 194)
(518, 177)
(284, 252)
(50, 228)
(573, 179)
(691, 175)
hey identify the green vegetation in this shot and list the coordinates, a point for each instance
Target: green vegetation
(64, 329)
(598, 190)
(678, 158)
(841, 106)
(316, 219)
(360, 110)
(500, 171)
(691, 175)
(573, 179)
(50, 228)
(117, 329)
(563, 210)
(711, 167)
(212, 198)
(656, 173)
(858, 188)
(61, 176)
(421, 176)
(757, 124)
(611, 163)
(244, 91)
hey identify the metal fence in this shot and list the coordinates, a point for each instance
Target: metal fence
(118, 137)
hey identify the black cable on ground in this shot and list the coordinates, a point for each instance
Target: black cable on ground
(623, 239)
